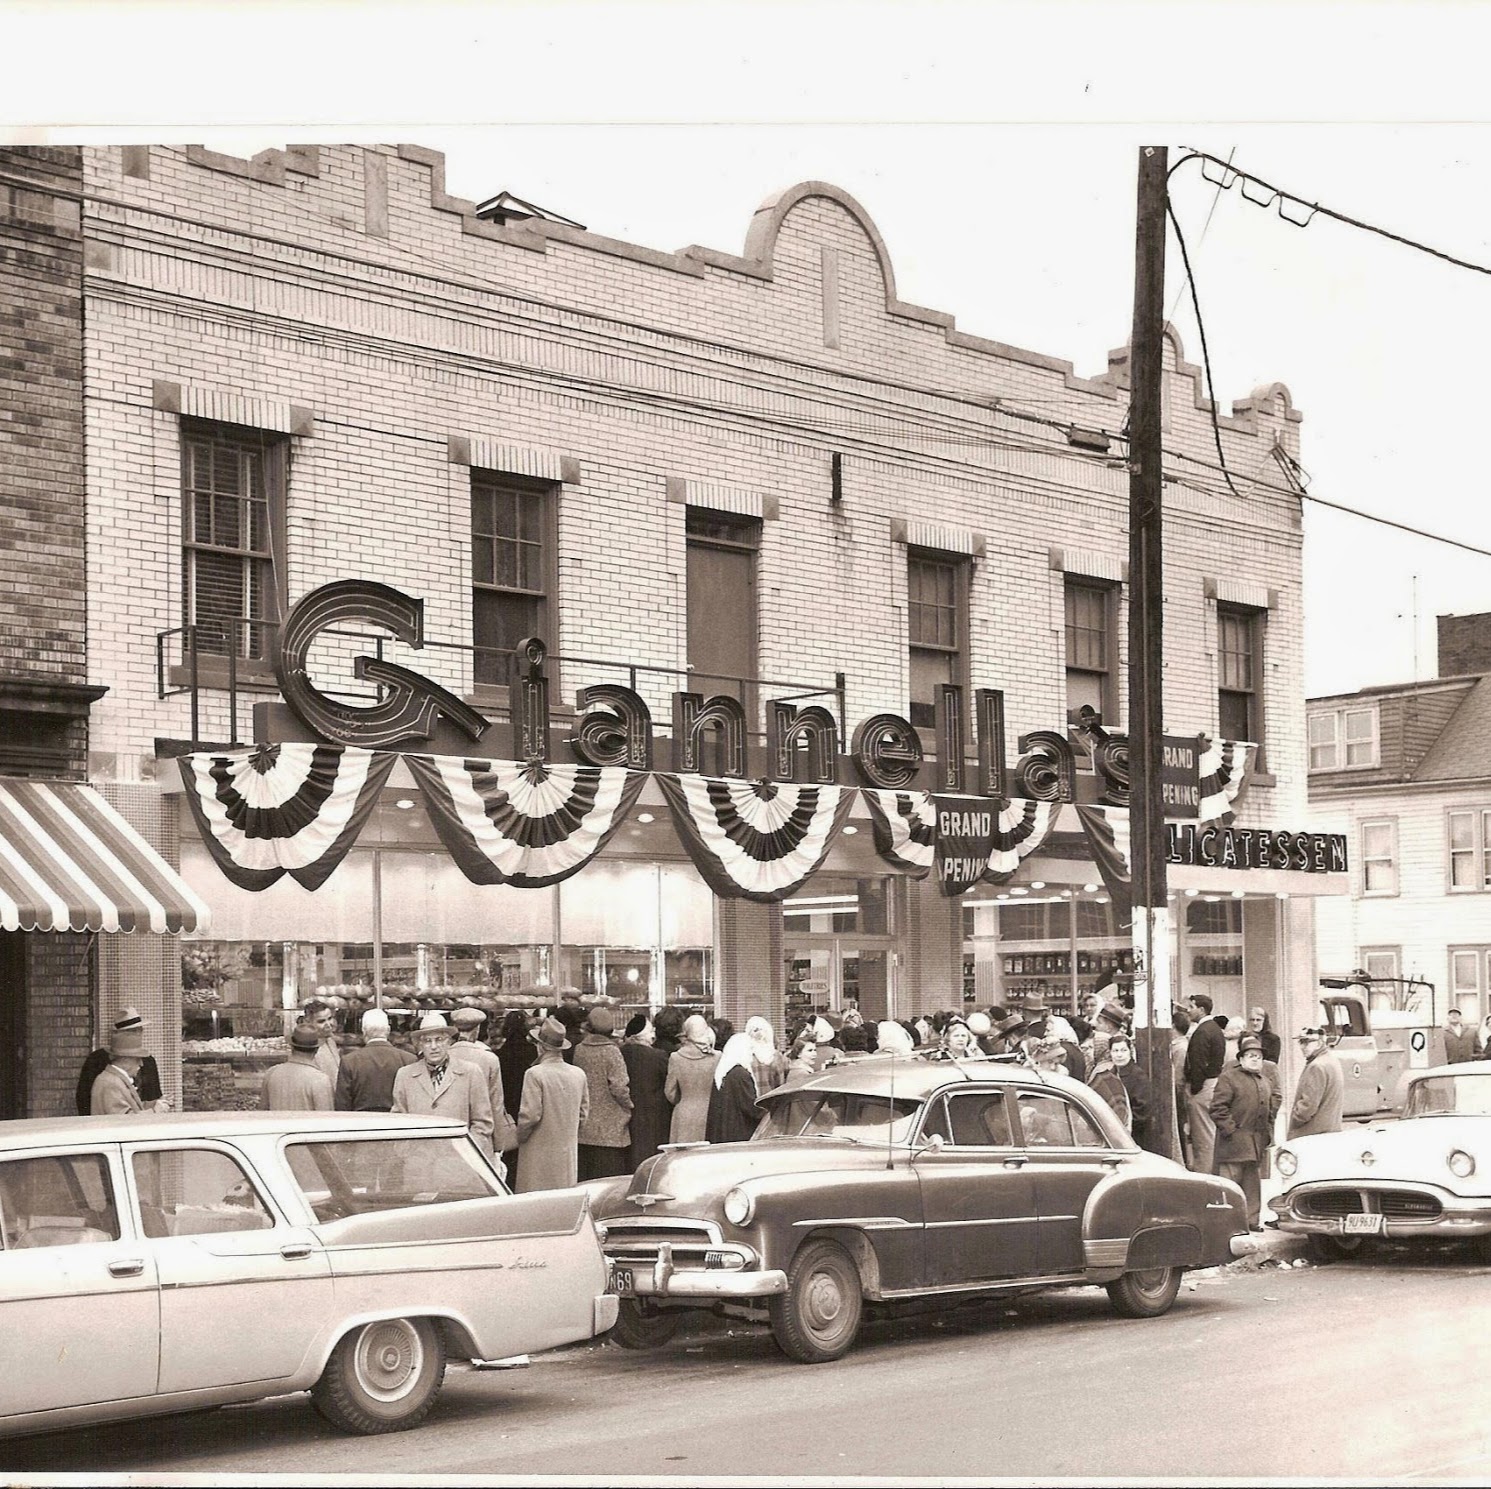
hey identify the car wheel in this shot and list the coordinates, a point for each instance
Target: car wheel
(1324, 1249)
(383, 1377)
(643, 1325)
(1145, 1294)
(816, 1319)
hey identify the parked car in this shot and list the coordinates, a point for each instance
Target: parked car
(1427, 1175)
(156, 1264)
(891, 1178)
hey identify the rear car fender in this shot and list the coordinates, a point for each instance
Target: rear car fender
(1117, 1206)
(458, 1331)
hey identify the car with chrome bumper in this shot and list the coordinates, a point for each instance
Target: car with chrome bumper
(154, 1264)
(894, 1178)
(1426, 1176)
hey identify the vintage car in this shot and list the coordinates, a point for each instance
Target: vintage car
(1426, 1175)
(892, 1178)
(162, 1263)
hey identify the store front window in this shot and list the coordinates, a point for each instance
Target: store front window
(840, 948)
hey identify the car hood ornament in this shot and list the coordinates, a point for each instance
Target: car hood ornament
(643, 1200)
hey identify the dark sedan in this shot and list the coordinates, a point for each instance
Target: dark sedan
(892, 1178)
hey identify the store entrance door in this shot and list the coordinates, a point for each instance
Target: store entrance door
(835, 973)
(12, 1025)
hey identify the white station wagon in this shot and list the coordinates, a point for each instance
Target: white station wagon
(161, 1263)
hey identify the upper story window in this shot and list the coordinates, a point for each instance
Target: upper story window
(233, 523)
(937, 625)
(1089, 647)
(512, 569)
(1470, 849)
(1380, 857)
(1239, 673)
(723, 549)
(1342, 738)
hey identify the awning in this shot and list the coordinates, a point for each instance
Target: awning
(70, 862)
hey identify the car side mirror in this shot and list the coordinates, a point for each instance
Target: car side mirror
(933, 1143)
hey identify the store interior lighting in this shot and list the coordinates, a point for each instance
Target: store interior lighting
(645, 817)
(404, 804)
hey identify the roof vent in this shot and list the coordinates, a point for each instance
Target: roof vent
(505, 207)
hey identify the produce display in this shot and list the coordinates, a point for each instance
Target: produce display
(358, 996)
(243, 1044)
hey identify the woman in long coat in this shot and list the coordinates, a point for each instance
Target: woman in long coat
(647, 1074)
(733, 1113)
(690, 1081)
(605, 1134)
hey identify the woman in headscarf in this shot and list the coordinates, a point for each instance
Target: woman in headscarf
(691, 1081)
(768, 1063)
(647, 1074)
(733, 1113)
(894, 1038)
(826, 1039)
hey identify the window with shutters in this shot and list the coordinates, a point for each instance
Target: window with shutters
(512, 570)
(937, 626)
(1089, 648)
(233, 495)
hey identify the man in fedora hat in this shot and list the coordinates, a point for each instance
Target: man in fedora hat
(439, 1086)
(469, 1047)
(556, 1100)
(298, 1085)
(147, 1081)
(115, 1090)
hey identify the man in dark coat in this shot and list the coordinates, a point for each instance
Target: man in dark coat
(147, 1081)
(1206, 1053)
(365, 1076)
(647, 1073)
(1244, 1104)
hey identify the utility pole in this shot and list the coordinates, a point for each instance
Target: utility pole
(1151, 913)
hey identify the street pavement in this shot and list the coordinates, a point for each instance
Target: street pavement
(1370, 1370)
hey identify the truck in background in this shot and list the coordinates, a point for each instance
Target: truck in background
(1382, 1029)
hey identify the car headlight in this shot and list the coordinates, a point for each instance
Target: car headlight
(1462, 1165)
(1286, 1163)
(739, 1207)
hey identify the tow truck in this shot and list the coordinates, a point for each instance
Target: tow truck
(1381, 1028)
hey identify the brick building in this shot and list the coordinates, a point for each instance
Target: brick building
(316, 365)
(1405, 771)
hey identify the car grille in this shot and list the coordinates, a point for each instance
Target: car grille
(638, 1240)
(1395, 1204)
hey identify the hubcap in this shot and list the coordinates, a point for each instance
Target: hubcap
(389, 1358)
(825, 1300)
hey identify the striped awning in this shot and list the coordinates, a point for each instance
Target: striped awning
(70, 862)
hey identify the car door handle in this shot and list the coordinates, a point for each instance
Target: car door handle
(131, 1268)
(1018, 1161)
(296, 1251)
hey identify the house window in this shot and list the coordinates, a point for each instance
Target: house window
(937, 625)
(1238, 672)
(1380, 857)
(1089, 647)
(1470, 976)
(1469, 836)
(722, 555)
(1343, 737)
(512, 569)
(1380, 961)
(233, 494)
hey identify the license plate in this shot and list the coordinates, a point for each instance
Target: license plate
(1362, 1225)
(621, 1280)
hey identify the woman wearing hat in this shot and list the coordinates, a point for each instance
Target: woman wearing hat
(605, 1132)
(733, 1113)
(556, 1100)
(691, 1081)
(957, 1041)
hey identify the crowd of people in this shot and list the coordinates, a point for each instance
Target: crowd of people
(564, 1096)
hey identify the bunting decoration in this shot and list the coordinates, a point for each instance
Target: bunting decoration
(529, 824)
(755, 840)
(1226, 767)
(283, 809)
(1020, 828)
(1107, 831)
(905, 827)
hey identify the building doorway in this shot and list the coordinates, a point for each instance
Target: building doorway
(12, 1024)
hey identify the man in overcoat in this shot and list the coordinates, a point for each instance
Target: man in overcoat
(114, 1090)
(1321, 1093)
(439, 1086)
(469, 1047)
(299, 1084)
(1243, 1106)
(365, 1076)
(556, 1100)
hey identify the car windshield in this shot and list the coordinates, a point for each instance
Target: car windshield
(396, 1173)
(1447, 1095)
(845, 1114)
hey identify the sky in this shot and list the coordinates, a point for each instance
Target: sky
(995, 147)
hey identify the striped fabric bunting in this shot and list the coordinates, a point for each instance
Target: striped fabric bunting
(70, 862)
(905, 828)
(283, 809)
(1020, 827)
(755, 840)
(523, 824)
(1225, 767)
(1108, 836)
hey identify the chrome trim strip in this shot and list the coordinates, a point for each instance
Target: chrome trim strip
(991, 1286)
(864, 1222)
(1000, 1220)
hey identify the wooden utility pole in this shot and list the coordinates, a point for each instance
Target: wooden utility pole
(1147, 655)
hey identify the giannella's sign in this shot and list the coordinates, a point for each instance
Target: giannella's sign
(613, 724)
